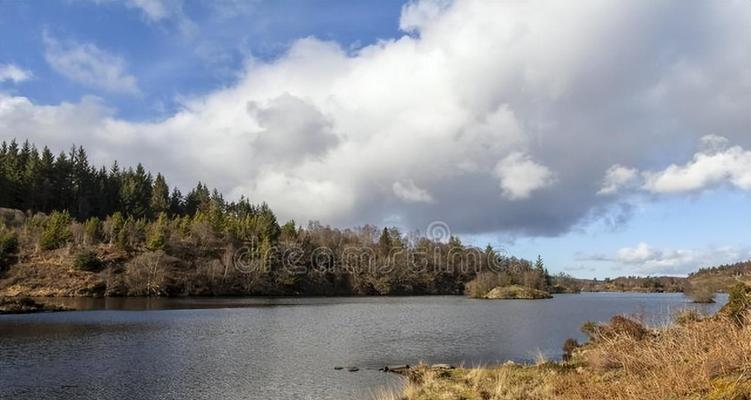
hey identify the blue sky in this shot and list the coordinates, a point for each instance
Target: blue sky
(168, 61)
(610, 137)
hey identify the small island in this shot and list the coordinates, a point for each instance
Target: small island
(516, 292)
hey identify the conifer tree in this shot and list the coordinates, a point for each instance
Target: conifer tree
(160, 202)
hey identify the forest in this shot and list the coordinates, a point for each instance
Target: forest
(71, 228)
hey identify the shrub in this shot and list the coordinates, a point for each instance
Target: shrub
(626, 326)
(56, 231)
(91, 230)
(618, 326)
(156, 236)
(87, 260)
(146, 275)
(739, 303)
(8, 246)
(112, 227)
(700, 293)
(568, 348)
(687, 316)
(483, 283)
(591, 329)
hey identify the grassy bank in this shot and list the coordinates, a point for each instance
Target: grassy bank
(697, 357)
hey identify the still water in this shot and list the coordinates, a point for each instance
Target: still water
(284, 348)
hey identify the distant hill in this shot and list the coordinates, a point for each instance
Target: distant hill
(634, 284)
(720, 278)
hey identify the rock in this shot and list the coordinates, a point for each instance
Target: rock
(338, 368)
(442, 366)
(353, 369)
(397, 369)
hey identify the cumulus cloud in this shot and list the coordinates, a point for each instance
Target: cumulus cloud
(710, 167)
(713, 165)
(14, 73)
(520, 106)
(410, 193)
(290, 130)
(652, 261)
(617, 177)
(520, 176)
(88, 64)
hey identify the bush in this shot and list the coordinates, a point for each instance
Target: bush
(146, 275)
(157, 233)
(687, 316)
(484, 283)
(618, 326)
(8, 247)
(739, 303)
(700, 293)
(91, 230)
(87, 260)
(568, 348)
(56, 231)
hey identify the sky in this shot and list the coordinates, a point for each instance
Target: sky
(611, 137)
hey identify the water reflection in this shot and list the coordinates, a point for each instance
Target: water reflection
(282, 348)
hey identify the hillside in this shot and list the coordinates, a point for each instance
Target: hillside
(721, 277)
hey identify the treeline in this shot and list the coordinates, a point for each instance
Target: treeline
(719, 278)
(42, 182)
(734, 270)
(97, 231)
(635, 284)
(229, 253)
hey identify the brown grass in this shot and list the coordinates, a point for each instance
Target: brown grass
(700, 358)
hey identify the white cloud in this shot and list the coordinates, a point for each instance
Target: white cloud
(410, 193)
(325, 132)
(290, 130)
(416, 14)
(14, 73)
(651, 261)
(152, 9)
(711, 167)
(87, 64)
(163, 11)
(520, 176)
(616, 178)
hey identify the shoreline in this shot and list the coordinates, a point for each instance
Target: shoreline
(623, 359)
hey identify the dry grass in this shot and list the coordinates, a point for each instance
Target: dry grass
(699, 358)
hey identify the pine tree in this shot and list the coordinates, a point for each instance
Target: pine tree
(384, 243)
(135, 193)
(160, 202)
(176, 203)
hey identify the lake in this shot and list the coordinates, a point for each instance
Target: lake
(284, 348)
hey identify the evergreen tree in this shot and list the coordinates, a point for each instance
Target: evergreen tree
(135, 193)
(176, 203)
(384, 243)
(160, 201)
